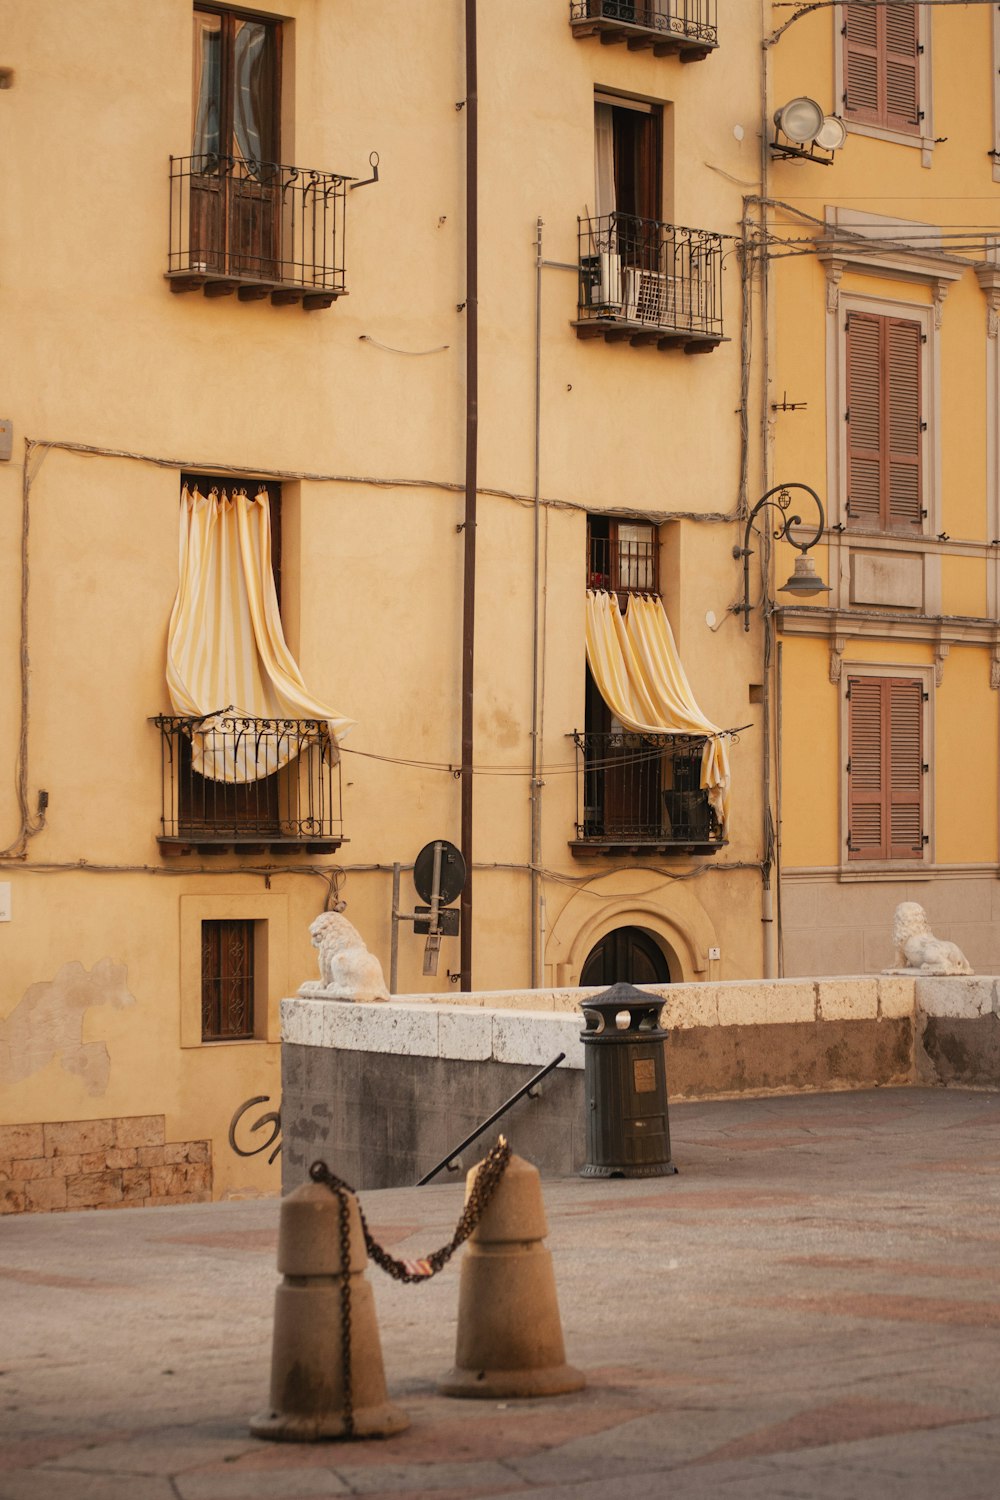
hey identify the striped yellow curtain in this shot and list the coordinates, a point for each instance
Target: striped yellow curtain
(225, 645)
(635, 664)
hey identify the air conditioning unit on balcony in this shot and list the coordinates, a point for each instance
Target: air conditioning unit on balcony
(645, 295)
(602, 278)
(654, 297)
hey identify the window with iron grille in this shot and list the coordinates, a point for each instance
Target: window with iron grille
(882, 52)
(622, 556)
(885, 769)
(227, 980)
(884, 422)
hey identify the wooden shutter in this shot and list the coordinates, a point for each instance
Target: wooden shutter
(866, 823)
(903, 497)
(864, 419)
(861, 63)
(884, 426)
(885, 768)
(882, 66)
(905, 790)
(901, 63)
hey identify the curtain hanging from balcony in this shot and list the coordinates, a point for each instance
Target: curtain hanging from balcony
(634, 662)
(226, 648)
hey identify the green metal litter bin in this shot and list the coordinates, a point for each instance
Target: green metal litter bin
(625, 1085)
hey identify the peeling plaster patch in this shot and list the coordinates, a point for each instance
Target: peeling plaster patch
(47, 1022)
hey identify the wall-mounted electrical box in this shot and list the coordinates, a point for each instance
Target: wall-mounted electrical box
(6, 439)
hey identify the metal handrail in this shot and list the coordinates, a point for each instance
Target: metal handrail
(524, 1089)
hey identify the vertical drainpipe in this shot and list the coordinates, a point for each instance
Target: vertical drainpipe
(770, 946)
(471, 470)
(537, 950)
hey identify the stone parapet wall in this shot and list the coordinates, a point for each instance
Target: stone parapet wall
(111, 1163)
(384, 1091)
(726, 1003)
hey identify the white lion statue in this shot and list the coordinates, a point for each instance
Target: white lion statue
(347, 970)
(918, 949)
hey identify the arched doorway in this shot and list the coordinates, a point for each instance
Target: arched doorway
(627, 954)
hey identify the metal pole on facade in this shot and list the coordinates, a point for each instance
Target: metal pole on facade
(471, 470)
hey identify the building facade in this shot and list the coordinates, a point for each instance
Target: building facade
(883, 280)
(251, 661)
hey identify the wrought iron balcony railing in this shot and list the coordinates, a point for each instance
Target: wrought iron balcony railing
(649, 282)
(688, 27)
(293, 802)
(642, 791)
(257, 228)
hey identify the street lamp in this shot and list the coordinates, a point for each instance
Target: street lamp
(804, 580)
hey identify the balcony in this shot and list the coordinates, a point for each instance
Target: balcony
(641, 794)
(649, 283)
(294, 807)
(257, 229)
(687, 28)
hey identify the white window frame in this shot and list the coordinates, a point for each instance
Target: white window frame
(922, 140)
(930, 376)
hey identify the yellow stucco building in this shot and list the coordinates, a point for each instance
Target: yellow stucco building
(332, 337)
(882, 393)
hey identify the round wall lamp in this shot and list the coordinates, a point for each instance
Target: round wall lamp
(799, 120)
(801, 127)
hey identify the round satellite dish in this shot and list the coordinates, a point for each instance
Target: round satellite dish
(452, 873)
(832, 134)
(799, 119)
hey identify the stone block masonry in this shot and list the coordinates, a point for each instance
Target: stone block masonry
(114, 1163)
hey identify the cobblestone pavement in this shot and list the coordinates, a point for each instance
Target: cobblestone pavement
(811, 1309)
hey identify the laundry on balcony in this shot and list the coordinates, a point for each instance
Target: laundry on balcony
(226, 649)
(634, 662)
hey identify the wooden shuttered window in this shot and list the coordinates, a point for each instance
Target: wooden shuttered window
(885, 769)
(884, 422)
(882, 66)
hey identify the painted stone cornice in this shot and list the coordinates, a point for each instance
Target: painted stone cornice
(839, 626)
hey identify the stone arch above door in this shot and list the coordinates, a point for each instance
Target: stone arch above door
(674, 917)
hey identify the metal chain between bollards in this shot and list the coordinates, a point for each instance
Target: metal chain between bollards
(345, 1308)
(487, 1181)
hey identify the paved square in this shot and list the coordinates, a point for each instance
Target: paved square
(810, 1309)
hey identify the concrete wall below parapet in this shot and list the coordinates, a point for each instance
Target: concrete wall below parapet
(958, 1031)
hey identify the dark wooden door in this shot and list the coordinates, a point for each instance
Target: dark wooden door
(626, 955)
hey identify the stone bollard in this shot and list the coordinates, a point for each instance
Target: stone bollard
(327, 1379)
(510, 1340)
